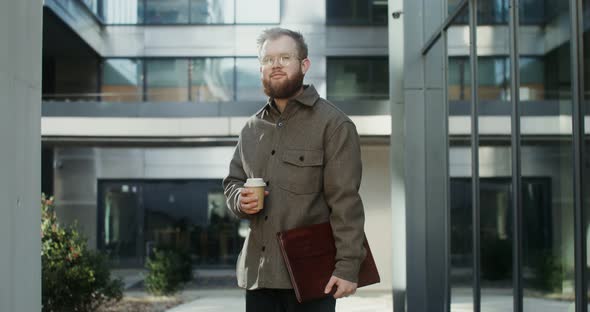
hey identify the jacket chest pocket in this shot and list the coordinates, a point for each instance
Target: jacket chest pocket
(302, 171)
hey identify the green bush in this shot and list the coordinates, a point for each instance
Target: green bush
(167, 271)
(73, 277)
(548, 272)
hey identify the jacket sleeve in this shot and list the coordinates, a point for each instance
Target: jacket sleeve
(234, 182)
(342, 179)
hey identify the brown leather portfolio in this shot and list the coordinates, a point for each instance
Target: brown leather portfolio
(309, 253)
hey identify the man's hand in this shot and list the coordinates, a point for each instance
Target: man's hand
(249, 201)
(344, 287)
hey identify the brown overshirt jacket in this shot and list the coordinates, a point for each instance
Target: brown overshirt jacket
(310, 157)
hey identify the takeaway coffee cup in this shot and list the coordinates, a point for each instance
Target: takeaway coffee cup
(257, 185)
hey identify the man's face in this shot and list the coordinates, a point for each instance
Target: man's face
(281, 70)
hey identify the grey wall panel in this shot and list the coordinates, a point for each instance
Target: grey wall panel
(413, 41)
(20, 98)
(436, 181)
(433, 16)
(415, 177)
(433, 67)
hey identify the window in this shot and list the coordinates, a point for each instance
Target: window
(357, 12)
(212, 12)
(123, 11)
(212, 79)
(162, 12)
(167, 12)
(494, 82)
(122, 80)
(167, 80)
(358, 78)
(249, 87)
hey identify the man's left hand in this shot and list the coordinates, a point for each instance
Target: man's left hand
(344, 287)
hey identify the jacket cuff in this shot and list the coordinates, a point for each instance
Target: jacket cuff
(347, 270)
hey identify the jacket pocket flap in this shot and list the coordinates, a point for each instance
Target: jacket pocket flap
(304, 158)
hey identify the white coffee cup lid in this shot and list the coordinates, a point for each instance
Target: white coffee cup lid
(255, 182)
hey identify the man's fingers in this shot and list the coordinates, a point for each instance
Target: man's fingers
(331, 284)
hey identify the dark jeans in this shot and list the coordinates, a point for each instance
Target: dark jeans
(284, 300)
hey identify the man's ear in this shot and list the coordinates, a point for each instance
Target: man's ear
(305, 65)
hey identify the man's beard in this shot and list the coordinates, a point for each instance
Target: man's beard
(283, 89)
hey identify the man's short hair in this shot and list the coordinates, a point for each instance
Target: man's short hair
(276, 32)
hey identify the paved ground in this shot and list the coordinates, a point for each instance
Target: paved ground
(233, 301)
(215, 291)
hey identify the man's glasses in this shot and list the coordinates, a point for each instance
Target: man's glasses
(283, 60)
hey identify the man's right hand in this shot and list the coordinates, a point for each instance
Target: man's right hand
(249, 201)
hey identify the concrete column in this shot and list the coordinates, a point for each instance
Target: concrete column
(398, 193)
(20, 155)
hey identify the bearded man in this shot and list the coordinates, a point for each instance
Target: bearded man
(308, 153)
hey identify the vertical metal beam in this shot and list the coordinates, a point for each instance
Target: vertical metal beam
(516, 159)
(577, 53)
(447, 274)
(475, 157)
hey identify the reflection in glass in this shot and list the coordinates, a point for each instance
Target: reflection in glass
(493, 93)
(122, 80)
(548, 229)
(191, 216)
(167, 80)
(123, 11)
(258, 11)
(586, 111)
(167, 11)
(460, 193)
(212, 11)
(212, 79)
(121, 224)
(249, 86)
(357, 12)
(351, 78)
(187, 216)
(459, 79)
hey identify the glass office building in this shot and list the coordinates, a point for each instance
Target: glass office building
(143, 101)
(495, 91)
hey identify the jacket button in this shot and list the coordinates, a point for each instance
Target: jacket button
(280, 124)
(265, 218)
(273, 152)
(263, 248)
(301, 158)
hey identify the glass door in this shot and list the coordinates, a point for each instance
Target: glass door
(121, 222)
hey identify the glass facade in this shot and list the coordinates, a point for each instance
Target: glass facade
(548, 248)
(171, 12)
(515, 249)
(495, 204)
(167, 80)
(356, 12)
(461, 273)
(353, 78)
(122, 80)
(248, 85)
(189, 216)
(212, 79)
